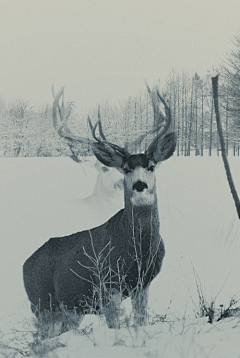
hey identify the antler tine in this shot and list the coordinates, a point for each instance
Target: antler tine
(158, 116)
(93, 128)
(157, 113)
(168, 114)
(90, 123)
(165, 127)
(61, 110)
(56, 106)
(94, 132)
(63, 130)
(100, 125)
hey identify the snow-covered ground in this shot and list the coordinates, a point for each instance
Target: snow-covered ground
(43, 197)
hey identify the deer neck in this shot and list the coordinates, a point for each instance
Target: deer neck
(144, 218)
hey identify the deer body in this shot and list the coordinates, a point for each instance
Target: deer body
(120, 258)
(48, 269)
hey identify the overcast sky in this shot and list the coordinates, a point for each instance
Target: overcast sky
(104, 49)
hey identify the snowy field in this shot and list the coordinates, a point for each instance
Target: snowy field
(44, 197)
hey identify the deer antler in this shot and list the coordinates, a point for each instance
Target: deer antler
(99, 126)
(159, 118)
(158, 115)
(163, 127)
(64, 131)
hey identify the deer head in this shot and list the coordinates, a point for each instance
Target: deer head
(138, 169)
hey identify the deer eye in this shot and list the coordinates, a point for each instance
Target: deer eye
(151, 169)
(126, 170)
(104, 169)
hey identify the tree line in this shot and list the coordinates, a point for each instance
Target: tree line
(25, 131)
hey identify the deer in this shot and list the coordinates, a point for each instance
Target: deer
(107, 195)
(92, 271)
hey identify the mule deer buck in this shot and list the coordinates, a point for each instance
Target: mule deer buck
(98, 268)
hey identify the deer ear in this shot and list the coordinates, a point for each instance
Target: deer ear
(108, 155)
(163, 148)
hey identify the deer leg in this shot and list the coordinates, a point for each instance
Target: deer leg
(64, 325)
(51, 324)
(112, 311)
(70, 320)
(140, 306)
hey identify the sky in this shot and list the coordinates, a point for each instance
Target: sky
(102, 50)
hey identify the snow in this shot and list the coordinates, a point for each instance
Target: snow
(45, 197)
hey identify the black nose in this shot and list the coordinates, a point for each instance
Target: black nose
(140, 186)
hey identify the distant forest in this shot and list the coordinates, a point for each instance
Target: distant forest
(27, 132)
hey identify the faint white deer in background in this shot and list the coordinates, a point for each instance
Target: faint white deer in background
(95, 269)
(107, 195)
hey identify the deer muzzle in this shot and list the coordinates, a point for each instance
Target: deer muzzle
(139, 186)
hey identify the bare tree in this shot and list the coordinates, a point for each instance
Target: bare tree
(220, 132)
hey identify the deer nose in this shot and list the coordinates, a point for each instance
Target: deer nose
(140, 186)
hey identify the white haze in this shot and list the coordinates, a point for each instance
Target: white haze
(103, 50)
